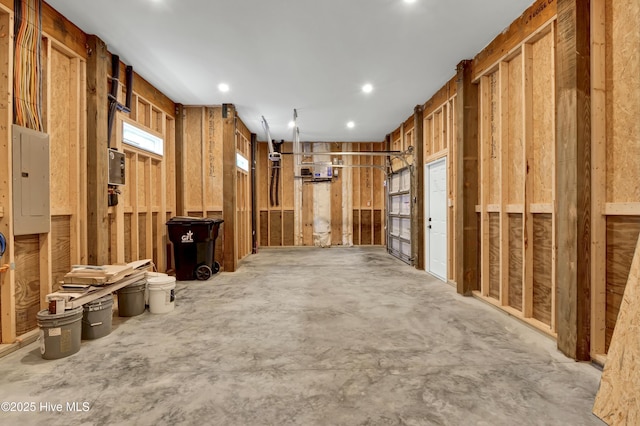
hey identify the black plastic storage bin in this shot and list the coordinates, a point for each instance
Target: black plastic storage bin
(194, 242)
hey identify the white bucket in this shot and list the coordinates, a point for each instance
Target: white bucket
(161, 294)
(151, 274)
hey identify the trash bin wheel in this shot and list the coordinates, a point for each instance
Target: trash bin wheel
(216, 267)
(203, 273)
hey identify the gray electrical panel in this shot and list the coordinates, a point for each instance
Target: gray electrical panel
(31, 190)
(116, 167)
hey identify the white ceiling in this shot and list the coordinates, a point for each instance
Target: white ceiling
(313, 55)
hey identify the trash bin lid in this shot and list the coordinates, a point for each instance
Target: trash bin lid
(187, 220)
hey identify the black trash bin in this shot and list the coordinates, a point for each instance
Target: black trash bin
(194, 242)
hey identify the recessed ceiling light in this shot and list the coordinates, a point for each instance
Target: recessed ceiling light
(223, 87)
(367, 88)
(291, 124)
(409, 1)
(351, 124)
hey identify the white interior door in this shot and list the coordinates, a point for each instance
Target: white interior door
(436, 218)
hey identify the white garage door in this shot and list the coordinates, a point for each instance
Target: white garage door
(399, 215)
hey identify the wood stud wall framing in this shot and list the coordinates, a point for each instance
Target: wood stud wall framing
(365, 224)
(498, 122)
(517, 113)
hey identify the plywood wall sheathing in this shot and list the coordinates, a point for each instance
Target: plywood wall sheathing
(622, 234)
(494, 255)
(515, 261)
(27, 293)
(617, 399)
(542, 260)
(544, 116)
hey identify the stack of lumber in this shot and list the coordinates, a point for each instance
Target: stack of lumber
(85, 283)
(96, 275)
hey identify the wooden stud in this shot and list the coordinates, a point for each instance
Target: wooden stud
(7, 279)
(180, 155)
(504, 141)
(97, 175)
(528, 160)
(229, 189)
(554, 170)
(573, 164)
(485, 138)
(467, 180)
(418, 210)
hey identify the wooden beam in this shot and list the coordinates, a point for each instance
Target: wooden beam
(230, 252)
(528, 23)
(573, 168)
(98, 64)
(180, 161)
(599, 179)
(467, 181)
(65, 32)
(417, 213)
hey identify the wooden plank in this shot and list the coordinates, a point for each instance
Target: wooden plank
(193, 151)
(599, 177)
(515, 261)
(336, 200)
(617, 402)
(61, 249)
(543, 108)
(286, 178)
(366, 224)
(516, 167)
(356, 227)
(541, 208)
(494, 255)
(27, 291)
(287, 228)
(275, 228)
(230, 254)
(621, 209)
(524, 26)
(573, 166)
(180, 160)
(622, 102)
(622, 234)
(514, 208)
(97, 175)
(528, 131)
(57, 26)
(135, 212)
(264, 228)
(542, 279)
(8, 288)
(485, 137)
(504, 142)
(377, 227)
(307, 214)
(467, 272)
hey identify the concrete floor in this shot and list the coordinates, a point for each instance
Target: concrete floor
(341, 336)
